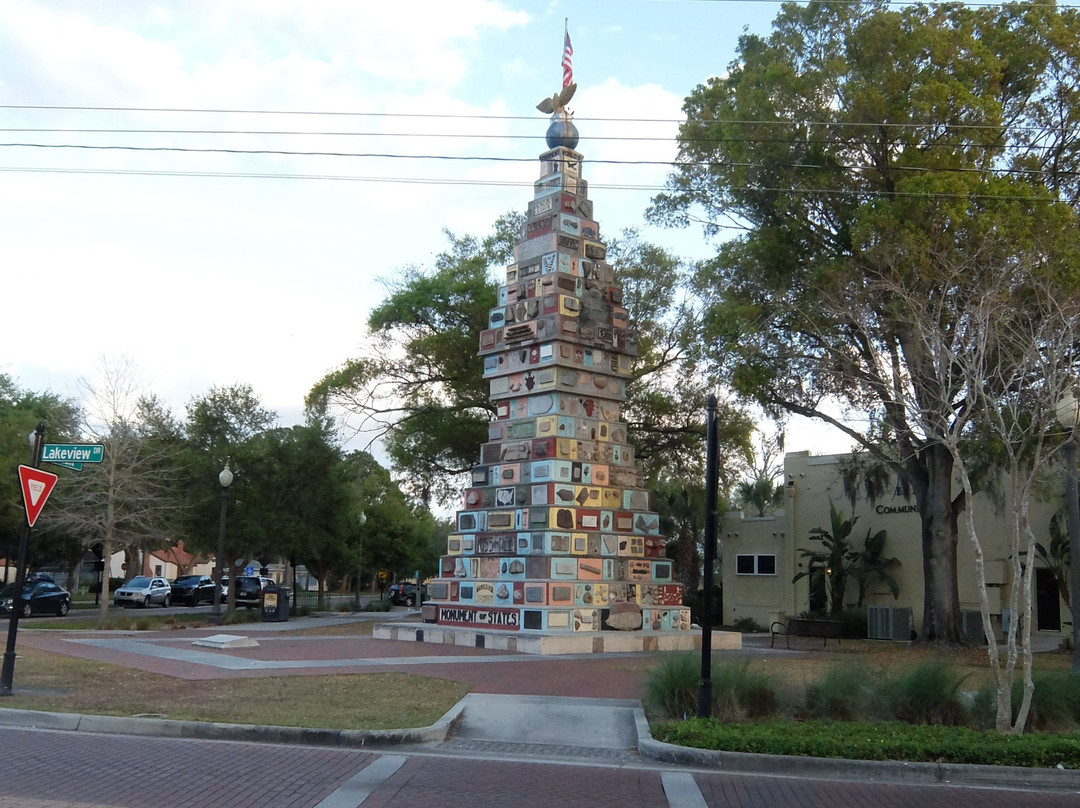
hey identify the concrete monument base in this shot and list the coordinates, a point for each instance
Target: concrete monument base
(552, 643)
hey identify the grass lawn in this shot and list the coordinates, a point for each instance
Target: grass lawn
(54, 682)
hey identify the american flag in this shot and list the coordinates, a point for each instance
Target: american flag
(567, 69)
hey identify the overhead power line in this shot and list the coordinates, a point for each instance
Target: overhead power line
(865, 193)
(331, 113)
(537, 119)
(1003, 171)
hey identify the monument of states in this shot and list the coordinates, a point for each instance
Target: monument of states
(556, 540)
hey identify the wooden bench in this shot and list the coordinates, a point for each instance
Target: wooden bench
(806, 627)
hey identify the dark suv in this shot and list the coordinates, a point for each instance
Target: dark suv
(249, 590)
(404, 594)
(193, 589)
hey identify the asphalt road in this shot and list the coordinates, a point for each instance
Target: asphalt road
(50, 769)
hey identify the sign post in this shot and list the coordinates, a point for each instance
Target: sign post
(36, 486)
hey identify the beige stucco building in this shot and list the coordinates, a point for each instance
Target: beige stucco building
(761, 555)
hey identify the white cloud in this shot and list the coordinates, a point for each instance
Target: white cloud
(212, 280)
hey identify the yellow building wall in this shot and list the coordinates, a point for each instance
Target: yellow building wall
(811, 483)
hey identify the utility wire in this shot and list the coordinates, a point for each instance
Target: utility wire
(861, 192)
(483, 117)
(1004, 171)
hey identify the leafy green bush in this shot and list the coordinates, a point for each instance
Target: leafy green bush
(748, 625)
(876, 741)
(671, 688)
(927, 693)
(377, 606)
(739, 693)
(854, 623)
(696, 602)
(1055, 704)
(844, 693)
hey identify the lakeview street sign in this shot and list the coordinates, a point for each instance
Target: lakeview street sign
(72, 455)
(36, 486)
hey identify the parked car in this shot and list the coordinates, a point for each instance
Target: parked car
(404, 593)
(193, 589)
(38, 597)
(142, 590)
(249, 589)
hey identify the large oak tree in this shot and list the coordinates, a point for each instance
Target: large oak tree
(858, 142)
(421, 388)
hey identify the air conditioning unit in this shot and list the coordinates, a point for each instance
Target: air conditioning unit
(888, 622)
(972, 626)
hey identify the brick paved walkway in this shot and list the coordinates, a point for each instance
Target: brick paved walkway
(66, 770)
(82, 770)
(171, 653)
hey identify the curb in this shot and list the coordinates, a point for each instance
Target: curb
(206, 730)
(882, 771)
(900, 772)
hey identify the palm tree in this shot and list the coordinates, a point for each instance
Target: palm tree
(830, 565)
(761, 494)
(869, 565)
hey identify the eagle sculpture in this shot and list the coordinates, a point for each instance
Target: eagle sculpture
(557, 103)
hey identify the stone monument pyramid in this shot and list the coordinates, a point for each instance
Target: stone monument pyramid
(556, 534)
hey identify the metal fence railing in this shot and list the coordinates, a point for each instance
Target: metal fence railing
(309, 599)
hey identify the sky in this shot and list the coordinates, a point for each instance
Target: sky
(207, 251)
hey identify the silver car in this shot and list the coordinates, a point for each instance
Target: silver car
(143, 590)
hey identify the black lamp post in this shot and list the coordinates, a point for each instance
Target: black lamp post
(7, 670)
(225, 477)
(1068, 414)
(360, 521)
(712, 479)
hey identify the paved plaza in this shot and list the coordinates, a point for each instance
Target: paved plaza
(532, 728)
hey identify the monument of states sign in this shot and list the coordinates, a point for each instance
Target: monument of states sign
(556, 534)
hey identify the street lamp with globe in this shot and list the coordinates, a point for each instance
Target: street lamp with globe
(225, 478)
(1068, 415)
(360, 521)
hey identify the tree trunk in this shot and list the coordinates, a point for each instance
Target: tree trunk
(839, 584)
(938, 513)
(103, 598)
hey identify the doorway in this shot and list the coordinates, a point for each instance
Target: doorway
(1047, 601)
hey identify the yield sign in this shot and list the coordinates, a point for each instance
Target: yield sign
(36, 487)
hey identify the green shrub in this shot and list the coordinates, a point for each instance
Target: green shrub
(748, 625)
(739, 693)
(854, 623)
(1055, 704)
(377, 606)
(844, 693)
(982, 708)
(876, 741)
(927, 693)
(671, 688)
(696, 602)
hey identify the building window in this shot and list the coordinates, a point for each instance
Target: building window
(755, 564)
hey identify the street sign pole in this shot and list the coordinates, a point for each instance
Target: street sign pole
(7, 673)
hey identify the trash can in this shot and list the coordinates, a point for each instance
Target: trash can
(275, 604)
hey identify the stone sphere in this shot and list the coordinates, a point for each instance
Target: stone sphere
(562, 132)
